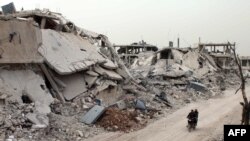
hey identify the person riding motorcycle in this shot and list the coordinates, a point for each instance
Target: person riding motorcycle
(191, 116)
(192, 119)
(196, 114)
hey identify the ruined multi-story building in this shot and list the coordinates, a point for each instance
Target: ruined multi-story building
(245, 62)
(129, 52)
(222, 53)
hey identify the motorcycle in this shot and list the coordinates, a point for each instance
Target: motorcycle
(191, 124)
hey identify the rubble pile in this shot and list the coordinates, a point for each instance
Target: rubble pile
(175, 76)
(68, 128)
(123, 120)
(22, 121)
(57, 70)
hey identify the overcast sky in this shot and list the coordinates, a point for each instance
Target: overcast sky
(156, 21)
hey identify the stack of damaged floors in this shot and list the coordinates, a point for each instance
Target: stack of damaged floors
(178, 69)
(46, 57)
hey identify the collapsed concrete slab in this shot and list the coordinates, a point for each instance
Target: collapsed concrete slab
(67, 53)
(75, 85)
(104, 84)
(108, 73)
(38, 120)
(109, 65)
(34, 88)
(92, 73)
(197, 86)
(90, 80)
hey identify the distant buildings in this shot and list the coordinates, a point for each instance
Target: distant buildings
(129, 52)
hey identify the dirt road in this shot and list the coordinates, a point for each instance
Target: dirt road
(214, 113)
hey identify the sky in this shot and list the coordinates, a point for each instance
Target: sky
(156, 21)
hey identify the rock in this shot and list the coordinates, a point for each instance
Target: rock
(2, 136)
(91, 96)
(7, 123)
(95, 132)
(78, 139)
(12, 128)
(83, 100)
(85, 107)
(88, 99)
(67, 130)
(176, 97)
(86, 135)
(138, 119)
(17, 134)
(1, 120)
(73, 104)
(187, 100)
(11, 138)
(14, 122)
(88, 104)
(39, 120)
(121, 104)
(22, 120)
(79, 133)
(115, 127)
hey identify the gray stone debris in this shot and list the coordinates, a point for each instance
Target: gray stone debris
(121, 104)
(38, 120)
(197, 86)
(139, 104)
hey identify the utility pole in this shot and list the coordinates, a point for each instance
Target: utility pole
(178, 42)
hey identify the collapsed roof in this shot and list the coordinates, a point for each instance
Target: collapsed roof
(72, 59)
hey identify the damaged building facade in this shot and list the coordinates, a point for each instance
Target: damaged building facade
(128, 53)
(221, 52)
(185, 68)
(245, 62)
(66, 55)
(45, 58)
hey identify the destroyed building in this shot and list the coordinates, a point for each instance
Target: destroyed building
(175, 69)
(245, 62)
(67, 55)
(45, 58)
(130, 52)
(221, 52)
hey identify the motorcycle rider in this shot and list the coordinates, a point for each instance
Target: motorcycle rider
(196, 114)
(191, 116)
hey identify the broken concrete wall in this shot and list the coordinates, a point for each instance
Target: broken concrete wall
(74, 85)
(177, 65)
(25, 83)
(170, 54)
(144, 59)
(110, 95)
(199, 64)
(19, 42)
